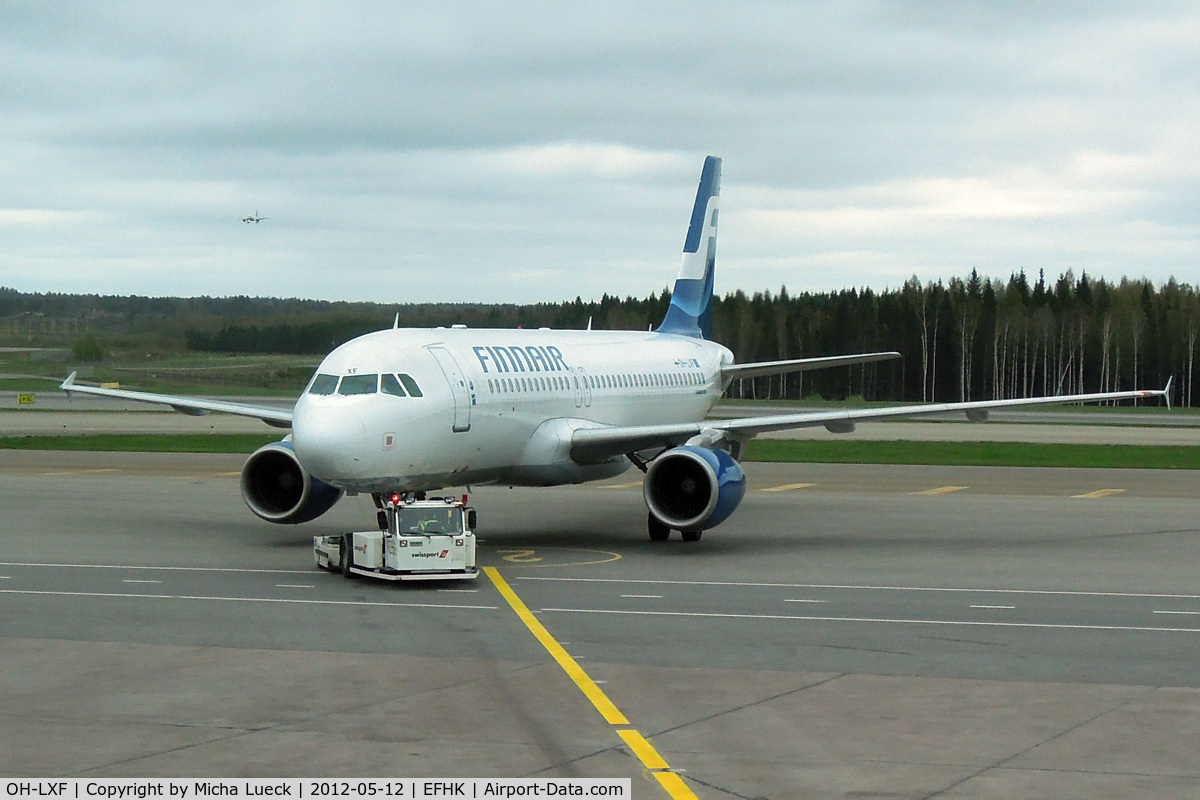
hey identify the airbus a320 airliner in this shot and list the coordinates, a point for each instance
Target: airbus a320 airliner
(413, 410)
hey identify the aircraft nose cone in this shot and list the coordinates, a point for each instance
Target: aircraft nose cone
(328, 441)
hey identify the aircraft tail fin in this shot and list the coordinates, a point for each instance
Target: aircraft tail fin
(690, 312)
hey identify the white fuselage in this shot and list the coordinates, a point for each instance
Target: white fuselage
(496, 406)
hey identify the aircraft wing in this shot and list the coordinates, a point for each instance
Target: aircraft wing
(595, 444)
(753, 370)
(193, 406)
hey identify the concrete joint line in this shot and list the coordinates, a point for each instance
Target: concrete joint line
(1033, 747)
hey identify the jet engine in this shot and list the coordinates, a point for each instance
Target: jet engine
(690, 488)
(278, 489)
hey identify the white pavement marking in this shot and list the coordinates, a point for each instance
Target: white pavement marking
(1055, 592)
(1184, 613)
(802, 600)
(1007, 608)
(643, 596)
(354, 603)
(875, 620)
(155, 569)
(134, 580)
(294, 586)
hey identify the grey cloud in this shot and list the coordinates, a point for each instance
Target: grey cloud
(393, 146)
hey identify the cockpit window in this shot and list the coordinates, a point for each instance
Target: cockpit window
(323, 384)
(359, 384)
(389, 385)
(410, 384)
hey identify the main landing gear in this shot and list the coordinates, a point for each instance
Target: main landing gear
(660, 532)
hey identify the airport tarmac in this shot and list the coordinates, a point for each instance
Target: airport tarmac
(852, 631)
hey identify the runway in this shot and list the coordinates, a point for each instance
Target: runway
(852, 631)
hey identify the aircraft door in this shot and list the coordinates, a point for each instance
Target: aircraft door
(458, 387)
(585, 387)
(578, 391)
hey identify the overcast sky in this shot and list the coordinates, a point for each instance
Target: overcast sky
(526, 151)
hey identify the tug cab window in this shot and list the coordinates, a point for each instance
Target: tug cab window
(428, 520)
(359, 384)
(323, 384)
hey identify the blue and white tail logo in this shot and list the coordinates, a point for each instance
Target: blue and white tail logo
(690, 312)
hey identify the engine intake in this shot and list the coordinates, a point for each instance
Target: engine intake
(278, 489)
(691, 488)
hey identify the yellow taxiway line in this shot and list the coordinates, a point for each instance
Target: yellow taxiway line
(639, 744)
(1098, 493)
(788, 487)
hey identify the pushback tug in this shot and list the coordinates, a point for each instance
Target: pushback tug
(418, 540)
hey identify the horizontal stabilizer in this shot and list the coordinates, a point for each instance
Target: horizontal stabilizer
(758, 368)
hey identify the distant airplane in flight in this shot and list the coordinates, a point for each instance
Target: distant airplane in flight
(414, 410)
(256, 218)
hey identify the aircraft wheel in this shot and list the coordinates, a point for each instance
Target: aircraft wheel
(691, 536)
(658, 531)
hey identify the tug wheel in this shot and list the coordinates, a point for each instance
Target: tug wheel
(345, 555)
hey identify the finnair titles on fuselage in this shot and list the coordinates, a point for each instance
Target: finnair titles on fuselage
(530, 358)
(413, 410)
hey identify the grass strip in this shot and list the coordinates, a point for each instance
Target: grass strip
(995, 454)
(983, 454)
(145, 442)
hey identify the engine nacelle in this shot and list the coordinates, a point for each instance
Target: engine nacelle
(278, 489)
(691, 488)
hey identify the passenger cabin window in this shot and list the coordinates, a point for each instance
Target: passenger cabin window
(323, 384)
(390, 385)
(359, 384)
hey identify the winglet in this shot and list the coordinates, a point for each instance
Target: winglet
(1167, 391)
(690, 312)
(69, 383)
